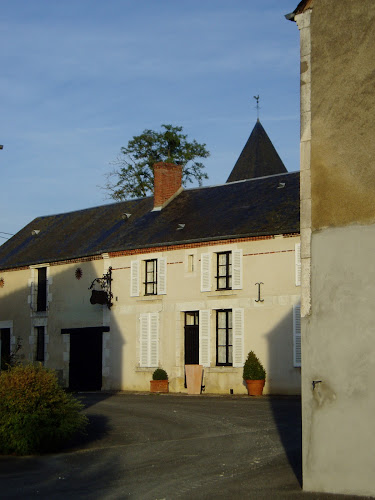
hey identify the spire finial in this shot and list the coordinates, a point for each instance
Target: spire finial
(256, 97)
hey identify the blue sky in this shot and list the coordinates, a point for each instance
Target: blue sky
(79, 78)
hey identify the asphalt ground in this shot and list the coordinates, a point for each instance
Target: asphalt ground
(154, 447)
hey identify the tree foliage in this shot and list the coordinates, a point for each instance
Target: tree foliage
(133, 176)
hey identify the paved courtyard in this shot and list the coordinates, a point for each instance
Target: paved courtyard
(144, 446)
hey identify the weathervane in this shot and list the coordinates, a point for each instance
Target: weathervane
(256, 97)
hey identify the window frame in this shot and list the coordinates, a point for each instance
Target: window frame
(154, 282)
(228, 347)
(228, 276)
(40, 343)
(41, 293)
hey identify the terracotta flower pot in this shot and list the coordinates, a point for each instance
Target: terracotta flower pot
(255, 387)
(158, 385)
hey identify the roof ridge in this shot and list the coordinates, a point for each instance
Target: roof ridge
(242, 180)
(93, 207)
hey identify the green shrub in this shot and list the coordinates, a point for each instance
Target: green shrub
(159, 374)
(253, 368)
(36, 414)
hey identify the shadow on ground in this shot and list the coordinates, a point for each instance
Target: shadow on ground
(289, 427)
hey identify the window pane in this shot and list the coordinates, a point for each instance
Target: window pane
(221, 319)
(229, 319)
(222, 259)
(221, 354)
(191, 318)
(230, 337)
(222, 282)
(222, 271)
(190, 263)
(230, 355)
(221, 337)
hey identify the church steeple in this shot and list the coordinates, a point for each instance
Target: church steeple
(259, 158)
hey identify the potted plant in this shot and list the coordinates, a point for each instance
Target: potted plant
(254, 375)
(159, 382)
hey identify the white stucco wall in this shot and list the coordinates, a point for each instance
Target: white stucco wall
(268, 325)
(337, 239)
(338, 349)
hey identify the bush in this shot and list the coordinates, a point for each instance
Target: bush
(253, 368)
(159, 374)
(36, 414)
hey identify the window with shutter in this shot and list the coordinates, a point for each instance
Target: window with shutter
(205, 272)
(204, 338)
(298, 263)
(134, 278)
(238, 337)
(149, 340)
(154, 339)
(224, 271)
(224, 337)
(297, 335)
(237, 269)
(144, 339)
(151, 270)
(162, 276)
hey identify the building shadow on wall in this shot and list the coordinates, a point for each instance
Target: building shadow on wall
(286, 409)
(69, 309)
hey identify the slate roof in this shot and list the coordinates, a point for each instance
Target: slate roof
(258, 158)
(261, 206)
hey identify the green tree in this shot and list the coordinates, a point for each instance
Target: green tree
(133, 176)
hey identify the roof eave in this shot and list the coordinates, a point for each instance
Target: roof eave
(300, 9)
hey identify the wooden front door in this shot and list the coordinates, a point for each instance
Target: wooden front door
(192, 338)
(85, 365)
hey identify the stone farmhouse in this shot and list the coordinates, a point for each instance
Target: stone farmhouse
(187, 276)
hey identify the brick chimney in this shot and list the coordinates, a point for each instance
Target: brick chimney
(167, 183)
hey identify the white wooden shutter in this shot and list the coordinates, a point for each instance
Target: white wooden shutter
(205, 272)
(238, 337)
(162, 276)
(154, 339)
(144, 339)
(237, 269)
(134, 278)
(297, 335)
(298, 263)
(32, 296)
(204, 337)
